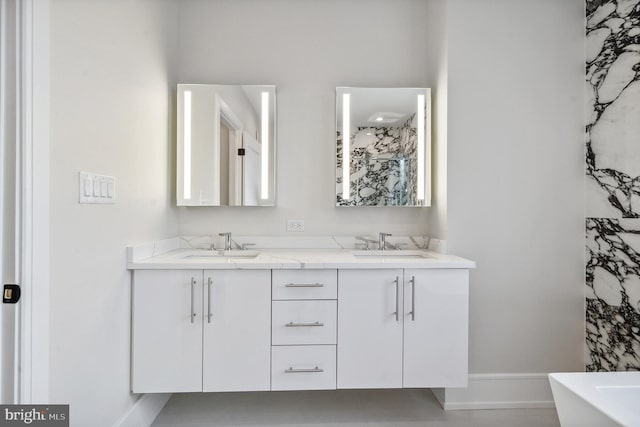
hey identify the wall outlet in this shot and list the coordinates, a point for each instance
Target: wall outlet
(295, 225)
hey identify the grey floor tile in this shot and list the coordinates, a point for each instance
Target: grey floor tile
(342, 408)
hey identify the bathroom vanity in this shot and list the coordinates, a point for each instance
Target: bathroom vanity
(297, 319)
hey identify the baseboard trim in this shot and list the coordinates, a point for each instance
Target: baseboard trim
(498, 391)
(144, 411)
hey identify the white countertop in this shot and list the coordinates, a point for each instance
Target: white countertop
(203, 259)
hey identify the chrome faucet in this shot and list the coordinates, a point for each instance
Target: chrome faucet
(227, 240)
(382, 241)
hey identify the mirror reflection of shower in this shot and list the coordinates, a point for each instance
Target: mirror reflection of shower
(386, 159)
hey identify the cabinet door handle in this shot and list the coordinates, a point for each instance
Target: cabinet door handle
(413, 298)
(193, 313)
(304, 285)
(300, 371)
(293, 325)
(209, 314)
(397, 312)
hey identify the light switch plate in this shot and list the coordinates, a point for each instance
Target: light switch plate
(94, 188)
(295, 225)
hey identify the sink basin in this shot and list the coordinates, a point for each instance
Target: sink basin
(214, 255)
(391, 254)
(241, 254)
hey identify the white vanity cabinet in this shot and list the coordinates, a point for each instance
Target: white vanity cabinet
(196, 330)
(236, 352)
(369, 334)
(256, 329)
(167, 331)
(402, 328)
(436, 328)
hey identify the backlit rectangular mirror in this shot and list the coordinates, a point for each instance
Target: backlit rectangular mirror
(386, 159)
(226, 145)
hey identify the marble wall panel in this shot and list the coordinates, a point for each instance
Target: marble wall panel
(613, 108)
(613, 294)
(612, 95)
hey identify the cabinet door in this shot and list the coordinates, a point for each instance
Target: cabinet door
(167, 331)
(436, 305)
(369, 331)
(237, 330)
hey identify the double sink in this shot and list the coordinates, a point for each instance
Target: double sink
(228, 255)
(215, 255)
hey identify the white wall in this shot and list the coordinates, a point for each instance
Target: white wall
(306, 48)
(112, 113)
(515, 177)
(511, 170)
(515, 168)
(437, 68)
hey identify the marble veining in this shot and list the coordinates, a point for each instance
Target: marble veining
(613, 294)
(289, 245)
(612, 89)
(383, 169)
(312, 242)
(613, 108)
(284, 252)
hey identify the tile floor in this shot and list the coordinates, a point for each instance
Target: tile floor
(342, 408)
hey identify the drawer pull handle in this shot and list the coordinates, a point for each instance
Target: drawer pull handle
(304, 285)
(413, 298)
(300, 371)
(397, 312)
(295, 325)
(210, 314)
(193, 313)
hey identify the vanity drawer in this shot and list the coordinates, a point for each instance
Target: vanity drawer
(305, 284)
(303, 322)
(309, 367)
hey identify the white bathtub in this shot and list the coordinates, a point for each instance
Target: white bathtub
(597, 399)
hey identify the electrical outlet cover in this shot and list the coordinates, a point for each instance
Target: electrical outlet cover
(295, 225)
